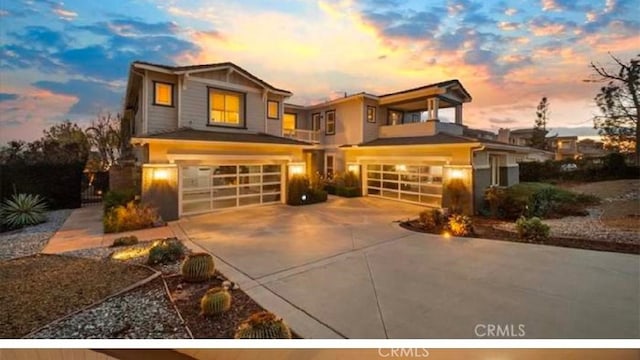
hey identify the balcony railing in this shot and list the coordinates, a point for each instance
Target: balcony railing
(312, 136)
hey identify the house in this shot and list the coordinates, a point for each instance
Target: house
(211, 137)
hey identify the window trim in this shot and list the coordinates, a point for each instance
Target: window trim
(319, 121)
(171, 85)
(375, 114)
(326, 122)
(243, 108)
(333, 164)
(277, 110)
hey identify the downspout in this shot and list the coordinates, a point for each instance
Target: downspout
(264, 106)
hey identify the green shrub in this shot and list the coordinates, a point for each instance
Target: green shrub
(347, 192)
(318, 195)
(458, 194)
(263, 325)
(115, 198)
(125, 241)
(215, 302)
(198, 267)
(22, 210)
(130, 217)
(351, 180)
(495, 197)
(460, 225)
(433, 220)
(297, 190)
(167, 251)
(330, 188)
(533, 229)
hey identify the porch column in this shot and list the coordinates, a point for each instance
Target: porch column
(459, 114)
(432, 109)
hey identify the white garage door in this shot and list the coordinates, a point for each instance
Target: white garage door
(420, 184)
(208, 188)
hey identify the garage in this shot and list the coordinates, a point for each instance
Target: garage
(215, 187)
(418, 184)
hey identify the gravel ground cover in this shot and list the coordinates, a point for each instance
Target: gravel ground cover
(39, 289)
(144, 312)
(31, 240)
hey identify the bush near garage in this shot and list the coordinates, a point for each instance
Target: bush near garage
(300, 192)
(115, 198)
(345, 185)
(130, 217)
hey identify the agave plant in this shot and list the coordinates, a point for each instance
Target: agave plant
(23, 210)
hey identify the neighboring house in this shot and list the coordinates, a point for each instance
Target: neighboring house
(591, 149)
(211, 137)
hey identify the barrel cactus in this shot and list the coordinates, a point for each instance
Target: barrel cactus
(198, 267)
(263, 325)
(215, 301)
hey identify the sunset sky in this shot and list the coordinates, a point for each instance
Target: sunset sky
(70, 60)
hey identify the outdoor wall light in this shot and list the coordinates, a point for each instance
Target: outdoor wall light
(354, 168)
(296, 169)
(160, 174)
(456, 174)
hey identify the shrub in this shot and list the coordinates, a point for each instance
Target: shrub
(166, 251)
(318, 195)
(198, 267)
(297, 190)
(351, 180)
(215, 301)
(460, 225)
(115, 198)
(495, 197)
(125, 241)
(23, 210)
(433, 220)
(458, 193)
(532, 229)
(348, 192)
(130, 217)
(263, 325)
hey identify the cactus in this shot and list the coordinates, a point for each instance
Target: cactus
(198, 267)
(263, 325)
(215, 301)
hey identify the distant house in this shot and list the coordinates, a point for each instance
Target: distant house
(214, 136)
(522, 137)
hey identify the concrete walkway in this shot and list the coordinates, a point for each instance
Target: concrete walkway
(345, 269)
(83, 229)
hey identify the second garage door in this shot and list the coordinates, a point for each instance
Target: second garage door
(208, 188)
(420, 184)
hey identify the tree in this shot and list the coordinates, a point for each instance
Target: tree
(619, 104)
(104, 136)
(538, 138)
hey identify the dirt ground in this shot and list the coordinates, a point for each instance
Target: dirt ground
(38, 289)
(620, 201)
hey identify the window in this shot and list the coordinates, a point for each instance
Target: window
(415, 117)
(494, 164)
(330, 126)
(289, 123)
(395, 117)
(225, 108)
(273, 109)
(371, 114)
(162, 93)
(315, 121)
(329, 166)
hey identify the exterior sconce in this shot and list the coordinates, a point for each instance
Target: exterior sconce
(456, 174)
(354, 168)
(296, 169)
(160, 174)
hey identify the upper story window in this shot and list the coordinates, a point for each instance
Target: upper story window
(226, 108)
(315, 121)
(395, 117)
(330, 125)
(162, 93)
(289, 121)
(371, 114)
(273, 109)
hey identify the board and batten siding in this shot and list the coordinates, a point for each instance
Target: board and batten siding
(161, 118)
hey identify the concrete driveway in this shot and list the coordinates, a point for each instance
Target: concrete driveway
(345, 269)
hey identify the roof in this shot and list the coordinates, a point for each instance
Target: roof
(188, 134)
(438, 139)
(439, 84)
(212, 65)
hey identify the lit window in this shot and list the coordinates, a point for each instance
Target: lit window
(395, 117)
(273, 109)
(289, 122)
(371, 114)
(330, 126)
(225, 108)
(163, 94)
(329, 166)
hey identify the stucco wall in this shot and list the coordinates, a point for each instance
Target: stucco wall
(481, 181)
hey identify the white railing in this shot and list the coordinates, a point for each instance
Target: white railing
(312, 136)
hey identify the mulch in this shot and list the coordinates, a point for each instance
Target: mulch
(484, 228)
(187, 298)
(39, 289)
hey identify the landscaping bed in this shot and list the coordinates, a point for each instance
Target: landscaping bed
(39, 289)
(31, 240)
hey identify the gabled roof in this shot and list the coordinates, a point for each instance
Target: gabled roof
(439, 84)
(188, 134)
(204, 67)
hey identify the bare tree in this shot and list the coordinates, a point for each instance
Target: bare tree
(619, 104)
(104, 137)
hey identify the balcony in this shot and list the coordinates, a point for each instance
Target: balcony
(427, 128)
(310, 136)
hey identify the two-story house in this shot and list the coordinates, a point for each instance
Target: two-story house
(211, 137)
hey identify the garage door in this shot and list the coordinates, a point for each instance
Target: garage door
(208, 188)
(420, 184)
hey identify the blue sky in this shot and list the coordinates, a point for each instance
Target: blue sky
(70, 60)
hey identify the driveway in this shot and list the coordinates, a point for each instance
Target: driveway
(347, 265)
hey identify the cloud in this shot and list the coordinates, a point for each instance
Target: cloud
(508, 26)
(7, 97)
(542, 27)
(92, 97)
(510, 11)
(41, 37)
